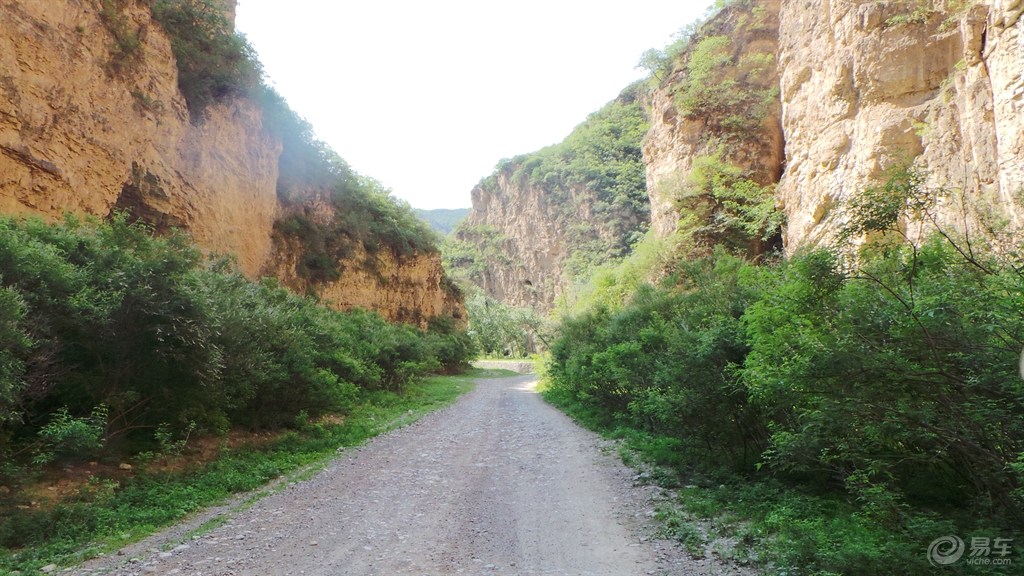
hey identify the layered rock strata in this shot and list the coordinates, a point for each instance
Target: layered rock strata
(88, 129)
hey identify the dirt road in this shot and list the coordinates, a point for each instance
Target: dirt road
(500, 482)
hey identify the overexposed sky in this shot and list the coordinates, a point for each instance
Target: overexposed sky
(427, 95)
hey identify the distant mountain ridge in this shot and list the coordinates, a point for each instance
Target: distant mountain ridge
(442, 219)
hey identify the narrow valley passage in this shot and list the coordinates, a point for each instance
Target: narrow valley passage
(499, 483)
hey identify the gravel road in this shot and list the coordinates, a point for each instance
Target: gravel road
(500, 482)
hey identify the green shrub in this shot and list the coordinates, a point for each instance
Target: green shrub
(881, 388)
(127, 48)
(720, 206)
(665, 364)
(214, 63)
(132, 334)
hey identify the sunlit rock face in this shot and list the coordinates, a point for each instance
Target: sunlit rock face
(527, 268)
(866, 85)
(83, 133)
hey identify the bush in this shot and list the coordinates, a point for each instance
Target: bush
(665, 364)
(885, 380)
(214, 63)
(107, 332)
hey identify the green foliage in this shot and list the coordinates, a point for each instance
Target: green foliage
(471, 249)
(13, 345)
(603, 154)
(918, 12)
(612, 284)
(599, 168)
(881, 208)
(498, 329)
(661, 63)
(68, 435)
(725, 91)
(720, 206)
(443, 220)
(127, 47)
(130, 333)
(664, 364)
(214, 63)
(885, 394)
(711, 82)
(365, 217)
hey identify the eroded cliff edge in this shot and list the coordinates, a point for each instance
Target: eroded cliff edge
(87, 128)
(718, 101)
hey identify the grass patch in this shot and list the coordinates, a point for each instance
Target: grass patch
(104, 520)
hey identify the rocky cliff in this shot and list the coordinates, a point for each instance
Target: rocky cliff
(867, 84)
(719, 100)
(525, 237)
(862, 86)
(90, 123)
(544, 218)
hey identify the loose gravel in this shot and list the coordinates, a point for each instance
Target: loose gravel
(498, 483)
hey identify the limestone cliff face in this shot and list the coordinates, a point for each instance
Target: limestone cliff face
(690, 119)
(82, 132)
(869, 84)
(524, 233)
(75, 137)
(543, 219)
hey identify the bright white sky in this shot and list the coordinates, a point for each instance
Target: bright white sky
(427, 95)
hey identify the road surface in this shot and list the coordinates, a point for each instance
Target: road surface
(498, 483)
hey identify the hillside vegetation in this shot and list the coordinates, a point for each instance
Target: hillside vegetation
(592, 194)
(602, 156)
(443, 220)
(114, 342)
(217, 65)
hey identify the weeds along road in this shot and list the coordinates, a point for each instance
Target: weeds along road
(499, 483)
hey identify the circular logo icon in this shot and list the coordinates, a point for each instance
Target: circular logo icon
(946, 550)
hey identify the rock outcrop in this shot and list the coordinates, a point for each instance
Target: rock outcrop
(863, 86)
(692, 117)
(402, 288)
(544, 218)
(78, 137)
(87, 128)
(524, 234)
(866, 85)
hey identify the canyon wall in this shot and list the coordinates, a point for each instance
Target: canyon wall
(863, 86)
(525, 234)
(725, 107)
(541, 220)
(866, 85)
(88, 127)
